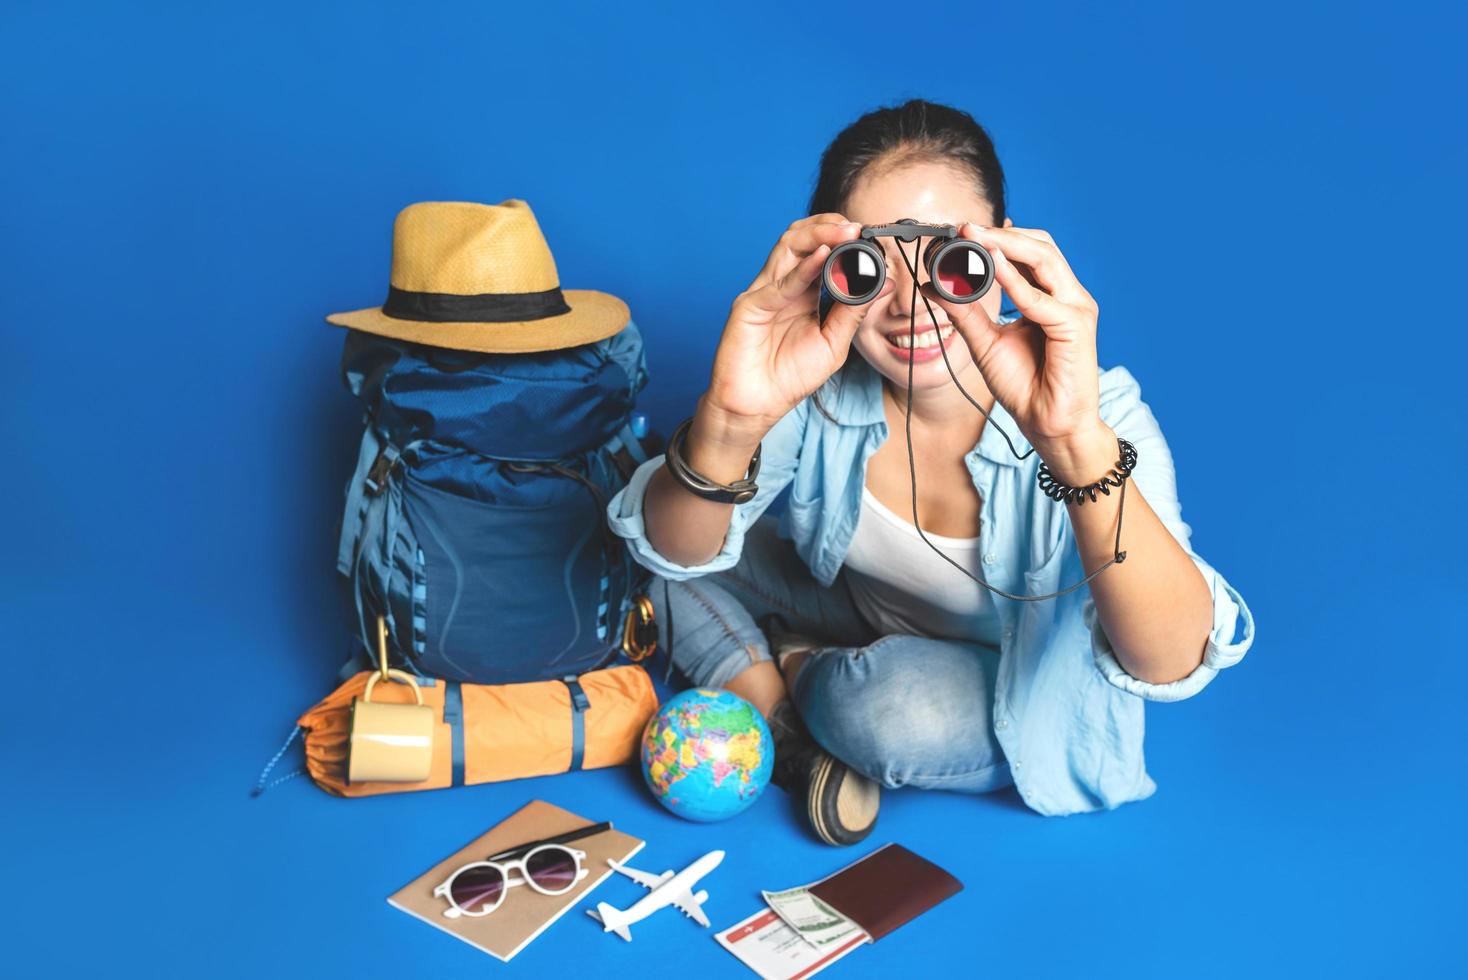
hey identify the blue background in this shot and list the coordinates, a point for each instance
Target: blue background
(1264, 198)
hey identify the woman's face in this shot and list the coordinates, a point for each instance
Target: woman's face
(933, 193)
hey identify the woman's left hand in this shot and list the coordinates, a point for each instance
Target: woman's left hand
(1042, 367)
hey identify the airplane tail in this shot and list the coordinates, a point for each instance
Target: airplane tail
(613, 920)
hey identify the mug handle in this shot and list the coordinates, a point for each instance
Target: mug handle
(400, 676)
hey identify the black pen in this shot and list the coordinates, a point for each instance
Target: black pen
(570, 835)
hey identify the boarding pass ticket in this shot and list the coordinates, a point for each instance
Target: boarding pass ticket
(767, 944)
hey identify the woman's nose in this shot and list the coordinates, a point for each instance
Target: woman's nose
(900, 299)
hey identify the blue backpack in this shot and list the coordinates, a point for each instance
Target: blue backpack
(475, 521)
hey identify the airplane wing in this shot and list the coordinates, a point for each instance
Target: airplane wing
(644, 878)
(692, 906)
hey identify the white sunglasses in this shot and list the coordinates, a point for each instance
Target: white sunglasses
(478, 888)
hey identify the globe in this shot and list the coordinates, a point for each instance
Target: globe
(706, 755)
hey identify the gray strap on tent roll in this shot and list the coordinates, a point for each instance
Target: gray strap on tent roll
(579, 706)
(453, 716)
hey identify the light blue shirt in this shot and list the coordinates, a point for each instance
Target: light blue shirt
(1067, 714)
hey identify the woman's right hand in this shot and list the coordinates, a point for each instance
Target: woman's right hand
(775, 351)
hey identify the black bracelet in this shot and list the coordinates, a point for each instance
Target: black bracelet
(696, 483)
(1056, 490)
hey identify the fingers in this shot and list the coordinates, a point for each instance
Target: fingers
(842, 321)
(1036, 305)
(970, 320)
(802, 238)
(776, 294)
(828, 217)
(1037, 233)
(807, 238)
(1037, 251)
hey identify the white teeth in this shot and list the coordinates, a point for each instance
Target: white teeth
(928, 338)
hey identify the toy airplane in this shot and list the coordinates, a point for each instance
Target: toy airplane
(664, 889)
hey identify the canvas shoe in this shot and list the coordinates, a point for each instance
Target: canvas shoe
(840, 803)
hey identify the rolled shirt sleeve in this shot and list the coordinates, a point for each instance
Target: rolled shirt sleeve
(778, 457)
(1154, 475)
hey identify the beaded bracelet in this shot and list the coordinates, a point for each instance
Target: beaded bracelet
(1056, 490)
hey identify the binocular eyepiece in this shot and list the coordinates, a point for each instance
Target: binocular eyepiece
(961, 270)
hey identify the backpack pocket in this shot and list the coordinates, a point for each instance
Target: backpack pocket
(507, 592)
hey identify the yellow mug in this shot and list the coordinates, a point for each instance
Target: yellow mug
(390, 743)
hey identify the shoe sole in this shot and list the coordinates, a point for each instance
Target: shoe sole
(853, 815)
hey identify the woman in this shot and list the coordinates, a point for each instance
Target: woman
(875, 660)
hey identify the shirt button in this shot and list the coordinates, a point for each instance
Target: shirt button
(1008, 634)
(1001, 725)
(990, 558)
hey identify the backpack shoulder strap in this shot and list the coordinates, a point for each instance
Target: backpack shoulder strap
(374, 502)
(375, 459)
(630, 440)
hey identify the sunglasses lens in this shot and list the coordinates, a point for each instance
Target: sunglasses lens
(854, 273)
(552, 868)
(963, 271)
(476, 889)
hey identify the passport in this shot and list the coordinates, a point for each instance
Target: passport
(886, 889)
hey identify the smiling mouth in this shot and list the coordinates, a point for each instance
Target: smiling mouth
(923, 338)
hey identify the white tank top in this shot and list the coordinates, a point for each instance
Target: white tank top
(901, 586)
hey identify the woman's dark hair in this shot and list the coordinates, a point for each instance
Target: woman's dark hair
(914, 132)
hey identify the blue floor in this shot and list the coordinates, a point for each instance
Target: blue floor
(1265, 199)
(1285, 837)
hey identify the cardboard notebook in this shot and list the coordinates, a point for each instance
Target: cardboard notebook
(525, 912)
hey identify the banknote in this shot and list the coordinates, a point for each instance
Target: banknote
(812, 919)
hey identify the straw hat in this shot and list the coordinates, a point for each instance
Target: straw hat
(480, 277)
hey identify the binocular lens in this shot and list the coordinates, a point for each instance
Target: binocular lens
(962, 271)
(854, 272)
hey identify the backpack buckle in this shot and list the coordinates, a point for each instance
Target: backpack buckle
(381, 469)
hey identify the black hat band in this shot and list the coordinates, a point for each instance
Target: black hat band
(403, 304)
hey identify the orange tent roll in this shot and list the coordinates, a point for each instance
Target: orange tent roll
(494, 732)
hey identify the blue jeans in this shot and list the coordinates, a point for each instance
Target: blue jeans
(901, 710)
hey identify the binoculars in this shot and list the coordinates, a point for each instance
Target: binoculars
(960, 270)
